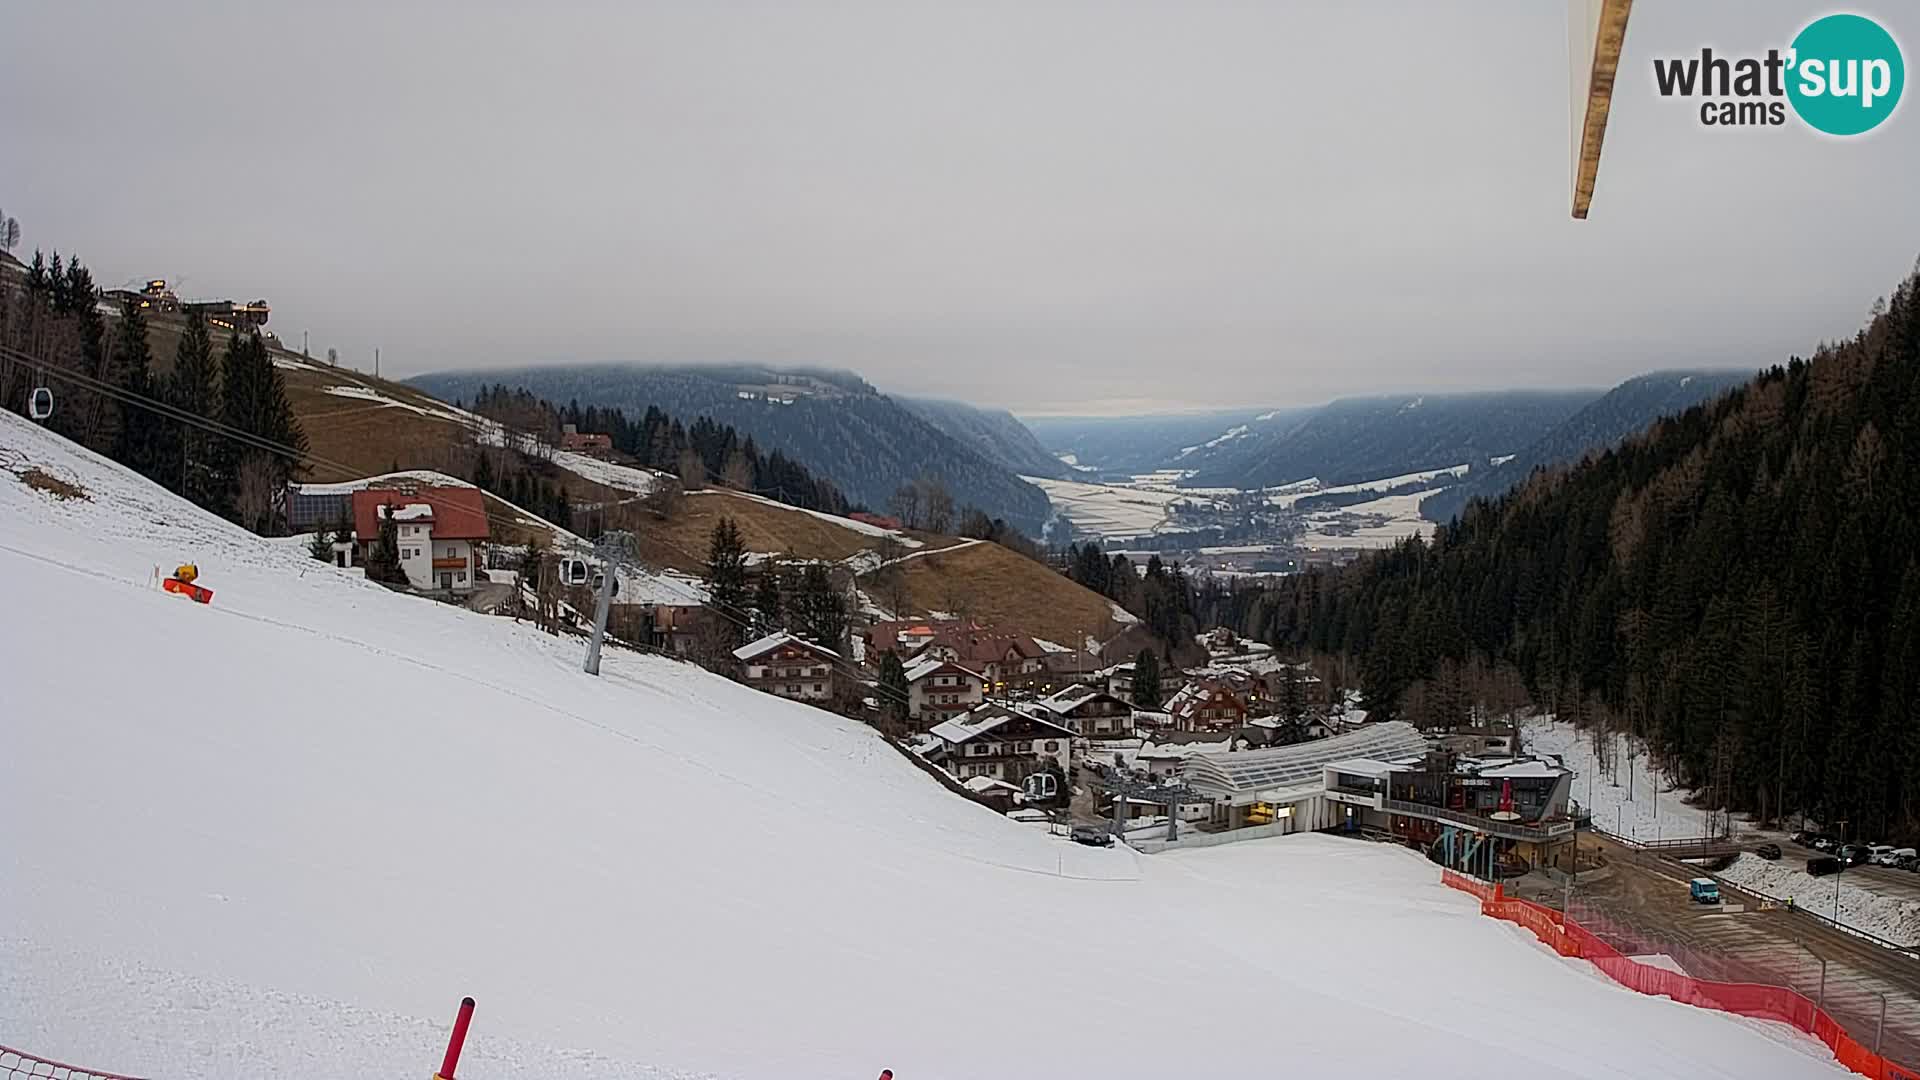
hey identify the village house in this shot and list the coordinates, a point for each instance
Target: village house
(1119, 680)
(789, 667)
(439, 530)
(1207, 705)
(1088, 711)
(1000, 743)
(1007, 661)
(571, 438)
(939, 690)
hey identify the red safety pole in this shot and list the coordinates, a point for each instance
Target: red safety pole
(458, 1040)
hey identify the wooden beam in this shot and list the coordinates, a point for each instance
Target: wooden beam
(1609, 34)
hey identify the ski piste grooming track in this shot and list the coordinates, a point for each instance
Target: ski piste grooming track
(277, 835)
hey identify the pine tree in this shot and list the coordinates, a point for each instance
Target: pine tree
(1146, 679)
(894, 700)
(137, 441)
(726, 577)
(194, 388)
(767, 614)
(823, 611)
(383, 563)
(321, 546)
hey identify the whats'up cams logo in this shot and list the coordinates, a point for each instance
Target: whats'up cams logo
(1842, 75)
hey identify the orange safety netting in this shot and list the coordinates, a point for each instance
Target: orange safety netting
(1569, 938)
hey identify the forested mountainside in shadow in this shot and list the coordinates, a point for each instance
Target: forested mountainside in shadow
(997, 434)
(1738, 584)
(834, 423)
(1622, 411)
(1352, 440)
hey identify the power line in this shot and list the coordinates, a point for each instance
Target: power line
(168, 410)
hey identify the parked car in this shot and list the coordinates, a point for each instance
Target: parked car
(1906, 862)
(1821, 865)
(1092, 835)
(1880, 854)
(1894, 855)
(1823, 842)
(1853, 854)
(1768, 851)
(1704, 890)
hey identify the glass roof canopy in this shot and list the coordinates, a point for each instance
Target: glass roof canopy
(1253, 771)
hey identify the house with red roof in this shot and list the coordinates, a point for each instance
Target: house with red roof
(441, 532)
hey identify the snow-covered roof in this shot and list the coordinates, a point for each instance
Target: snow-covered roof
(983, 784)
(1524, 770)
(412, 512)
(927, 665)
(1067, 697)
(984, 719)
(775, 640)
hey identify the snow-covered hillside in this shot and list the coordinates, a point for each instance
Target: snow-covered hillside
(284, 833)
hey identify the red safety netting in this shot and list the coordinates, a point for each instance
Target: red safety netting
(1569, 938)
(17, 1064)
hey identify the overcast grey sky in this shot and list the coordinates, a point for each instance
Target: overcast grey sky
(1049, 206)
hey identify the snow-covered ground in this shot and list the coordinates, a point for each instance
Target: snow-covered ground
(1399, 518)
(1628, 808)
(1893, 918)
(283, 834)
(1623, 799)
(1107, 509)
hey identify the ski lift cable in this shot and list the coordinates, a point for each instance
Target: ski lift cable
(740, 618)
(215, 427)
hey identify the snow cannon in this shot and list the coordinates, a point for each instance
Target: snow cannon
(183, 583)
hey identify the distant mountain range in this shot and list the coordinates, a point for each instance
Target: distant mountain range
(995, 433)
(1357, 439)
(833, 422)
(1127, 445)
(1604, 422)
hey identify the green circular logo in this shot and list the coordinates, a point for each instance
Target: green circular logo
(1845, 74)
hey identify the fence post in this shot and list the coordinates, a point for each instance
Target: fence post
(1881, 1027)
(1821, 1002)
(458, 1039)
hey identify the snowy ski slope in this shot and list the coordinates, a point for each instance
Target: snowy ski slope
(283, 834)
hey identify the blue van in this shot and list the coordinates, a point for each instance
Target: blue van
(1704, 890)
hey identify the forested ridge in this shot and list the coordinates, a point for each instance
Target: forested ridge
(1737, 584)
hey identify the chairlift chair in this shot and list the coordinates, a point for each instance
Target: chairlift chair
(1041, 786)
(574, 571)
(40, 404)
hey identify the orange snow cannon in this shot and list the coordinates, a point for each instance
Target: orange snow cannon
(182, 583)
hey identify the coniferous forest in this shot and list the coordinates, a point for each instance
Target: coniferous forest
(1740, 585)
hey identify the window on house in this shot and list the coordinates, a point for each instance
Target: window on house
(1053, 746)
(818, 688)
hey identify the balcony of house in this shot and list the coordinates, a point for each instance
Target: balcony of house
(450, 564)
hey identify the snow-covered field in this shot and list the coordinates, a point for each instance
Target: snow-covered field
(284, 833)
(1107, 509)
(1400, 518)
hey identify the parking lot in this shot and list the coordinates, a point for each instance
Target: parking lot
(1640, 904)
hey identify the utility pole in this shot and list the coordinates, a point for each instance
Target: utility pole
(376, 361)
